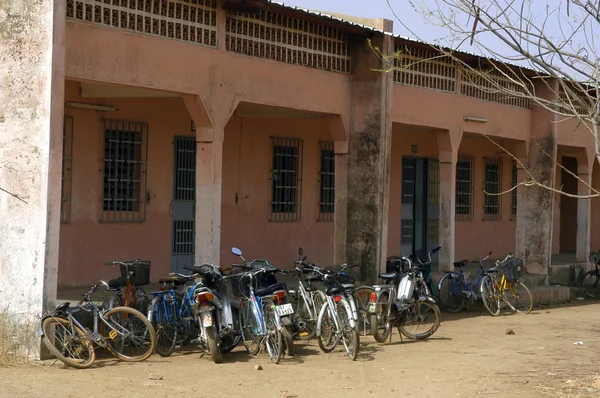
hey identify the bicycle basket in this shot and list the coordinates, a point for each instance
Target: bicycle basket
(513, 269)
(141, 272)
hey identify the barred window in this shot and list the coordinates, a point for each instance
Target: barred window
(125, 154)
(464, 187)
(514, 184)
(492, 204)
(286, 179)
(327, 182)
(67, 170)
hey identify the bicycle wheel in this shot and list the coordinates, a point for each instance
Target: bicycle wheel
(590, 283)
(451, 292)
(163, 321)
(327, 330)
(68, 342)
(250, 326)
(274, 341)
(423, 316)
(489, 295)
(381, 325)
(131, 336)
(363, 295)
(349, 334)
(518, 297)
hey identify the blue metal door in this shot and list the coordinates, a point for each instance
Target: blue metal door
(183, 206)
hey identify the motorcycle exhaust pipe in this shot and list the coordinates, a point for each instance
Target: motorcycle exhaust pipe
(301, 325)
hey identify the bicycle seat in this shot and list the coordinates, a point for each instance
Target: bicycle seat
(335, 290)
(491, 271)
(389, 275)
(265, 291)
(116, 283)
(175, 280)
(460, 264)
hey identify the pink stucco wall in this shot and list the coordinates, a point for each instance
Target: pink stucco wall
(86, 243)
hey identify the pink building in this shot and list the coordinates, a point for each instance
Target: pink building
(193, 126)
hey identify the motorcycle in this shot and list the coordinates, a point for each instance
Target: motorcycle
(214, 311)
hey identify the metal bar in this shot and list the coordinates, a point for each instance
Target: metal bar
(125, 176)
(326, 181)
(465, 167)
(514, 184)
(492, 204)
(286, 179)
(67, 170)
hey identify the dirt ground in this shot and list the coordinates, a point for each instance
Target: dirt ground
(470, 355)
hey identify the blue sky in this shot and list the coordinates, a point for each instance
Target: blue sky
(416, 26)
(375, 9)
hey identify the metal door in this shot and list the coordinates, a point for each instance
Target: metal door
(183, 206)
(420, 206)
(407, 222)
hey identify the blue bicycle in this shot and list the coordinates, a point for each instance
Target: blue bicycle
(171, 313)
(454, 289)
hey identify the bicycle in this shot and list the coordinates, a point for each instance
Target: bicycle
(73, 344)
(506, 289)
(590, 282)
(459, 290)
(259, 319)
(170, 313)
(134, 274)
(337, 321)
(401, 304)
(307, 301)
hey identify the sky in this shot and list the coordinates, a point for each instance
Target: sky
(415, 26)
(376, 9)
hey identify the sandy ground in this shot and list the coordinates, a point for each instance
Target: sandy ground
(470, 355)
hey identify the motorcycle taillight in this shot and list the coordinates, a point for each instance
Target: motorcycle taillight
(205, 296)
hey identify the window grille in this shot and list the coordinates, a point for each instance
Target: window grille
(286, 179)
(514, 192)
(433, 182)
(492, 204)
(493, 86)
(192, 21)
(433, 231)
(576, 106)
(183, 237)
(185, 169)
(327, 182)
(67, 170)
(465, 167)
(287, 39)
(421, 68)
(408, 226)
(125, 164)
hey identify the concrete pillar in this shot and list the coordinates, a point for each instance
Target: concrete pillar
(341, 202)
(210, 117)
(448, 144)
(209, 165)
(31, 118)
(584, 214)
(369, 152)
(535, 203)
